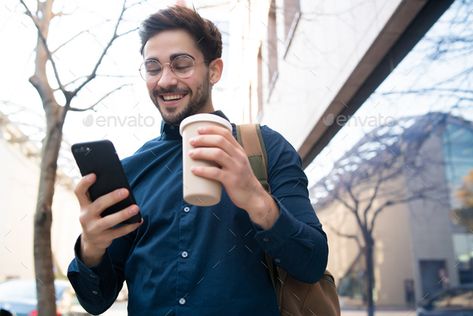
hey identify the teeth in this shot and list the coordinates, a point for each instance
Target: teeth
(172, 97)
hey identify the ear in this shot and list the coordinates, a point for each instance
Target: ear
(215, 70)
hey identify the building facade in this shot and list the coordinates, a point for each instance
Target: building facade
(19, 188)
(298, 64)
(419, 250)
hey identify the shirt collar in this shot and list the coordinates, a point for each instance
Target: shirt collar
(169, 131)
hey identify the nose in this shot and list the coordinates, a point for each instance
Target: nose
(168, 78)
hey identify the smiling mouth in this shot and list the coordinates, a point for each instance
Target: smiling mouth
(172, 97)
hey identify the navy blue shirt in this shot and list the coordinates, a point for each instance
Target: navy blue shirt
(190, 260)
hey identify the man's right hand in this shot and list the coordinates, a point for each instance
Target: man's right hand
(98, 232)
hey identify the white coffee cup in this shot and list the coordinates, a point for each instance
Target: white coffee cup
(198, 190)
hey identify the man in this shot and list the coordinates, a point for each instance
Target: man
(183, 259)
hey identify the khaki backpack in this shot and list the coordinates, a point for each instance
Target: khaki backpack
(295, 298)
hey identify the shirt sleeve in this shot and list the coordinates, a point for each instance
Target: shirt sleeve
(296, 241)
(96, 287)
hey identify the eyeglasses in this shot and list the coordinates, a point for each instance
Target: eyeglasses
(182, 66)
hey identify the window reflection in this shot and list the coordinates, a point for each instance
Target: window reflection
(424, 112)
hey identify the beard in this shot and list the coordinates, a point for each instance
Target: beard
(197, 102)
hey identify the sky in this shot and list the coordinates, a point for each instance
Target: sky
(127, 117)
(416, 71)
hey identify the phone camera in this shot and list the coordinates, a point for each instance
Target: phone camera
(83, 149)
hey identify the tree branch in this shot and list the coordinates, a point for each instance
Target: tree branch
(356, 201)
(59, 14)
(352, 209)
(371, 199)
(378, 210)
(348, 236)
(73, 81)
(70, 40)
(100, 100)
(103, 76)
(45, 44)
(128, 32)
(104, 52)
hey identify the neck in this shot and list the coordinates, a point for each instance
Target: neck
(206, 109)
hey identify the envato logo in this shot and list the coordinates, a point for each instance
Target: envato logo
(358, 121)
(118, 121)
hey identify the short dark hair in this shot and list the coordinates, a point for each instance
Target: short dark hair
(204, 32)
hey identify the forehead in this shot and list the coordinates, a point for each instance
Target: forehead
(167, 43)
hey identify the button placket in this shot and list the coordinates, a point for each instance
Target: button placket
(185, 230)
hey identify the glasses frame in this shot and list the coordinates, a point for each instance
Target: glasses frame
(146, 77)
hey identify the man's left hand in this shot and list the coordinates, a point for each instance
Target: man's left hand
(233, 170)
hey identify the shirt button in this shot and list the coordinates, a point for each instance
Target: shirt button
(187, 209)
(266, 239)
(182, 301)
(277, 260)
(184, 254)
(95, 292)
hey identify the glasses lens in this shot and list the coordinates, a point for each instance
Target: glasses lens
(150, 68)
(183, 66)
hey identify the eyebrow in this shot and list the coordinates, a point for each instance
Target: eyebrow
(171, 57)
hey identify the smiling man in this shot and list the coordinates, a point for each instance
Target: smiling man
(178, 76)
(184, 259)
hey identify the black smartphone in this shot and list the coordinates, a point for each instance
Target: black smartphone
(100, 157)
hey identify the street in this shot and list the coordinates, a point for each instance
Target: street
(119, 309)
(379, 313)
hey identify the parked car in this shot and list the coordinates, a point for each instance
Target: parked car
(455, 301)
(18, 297)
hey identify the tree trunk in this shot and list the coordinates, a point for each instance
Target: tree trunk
(370, 281)
(43, 216)
(55, 118)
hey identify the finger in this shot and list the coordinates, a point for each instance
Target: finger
(215, 155)
(81, 189)
(103, 238)
(107, 200)
(214, 140)
(217, 130)
(212, 173)
(125, 229)
(114, 219)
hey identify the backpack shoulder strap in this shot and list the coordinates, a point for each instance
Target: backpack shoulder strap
(250, 138)
(321, 296)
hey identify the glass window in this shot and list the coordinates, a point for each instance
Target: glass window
(272, 46)
(291, 16)
(458, 151)
(425, 105)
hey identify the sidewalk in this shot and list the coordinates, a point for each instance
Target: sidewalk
(411, 312)
(119, 309)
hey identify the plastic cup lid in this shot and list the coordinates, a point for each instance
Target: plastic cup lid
(204, 117)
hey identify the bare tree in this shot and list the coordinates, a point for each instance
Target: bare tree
(452, 47)
(362, 181)
(366, 182)
(49, 88)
